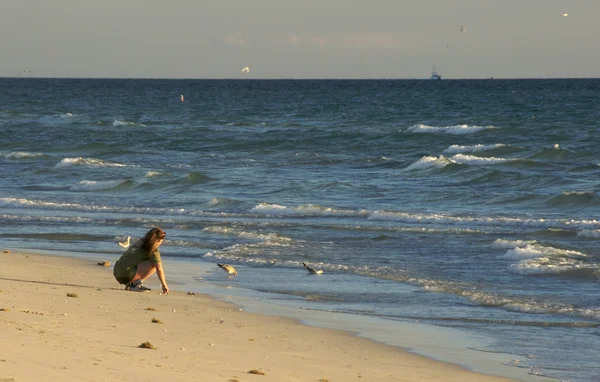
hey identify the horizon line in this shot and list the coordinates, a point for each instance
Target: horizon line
(297, 79)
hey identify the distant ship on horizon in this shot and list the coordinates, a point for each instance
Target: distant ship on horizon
(434, 74)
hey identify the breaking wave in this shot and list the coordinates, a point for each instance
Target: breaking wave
(454, 130)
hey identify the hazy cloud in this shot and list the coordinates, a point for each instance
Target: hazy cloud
(360, 41)
(372, 41)
(236, 40)
(319, 41)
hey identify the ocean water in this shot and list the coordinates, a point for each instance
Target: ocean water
(464, 204)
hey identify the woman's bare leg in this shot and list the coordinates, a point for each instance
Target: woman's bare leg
(145, 269)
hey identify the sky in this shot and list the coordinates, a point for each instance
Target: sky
(300, 39)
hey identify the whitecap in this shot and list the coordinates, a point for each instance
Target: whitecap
(479, 220)
(304, 210)
(548, 265)
(266, 237)
(28, 203)
(22, 155)
(523, 252)
(44, 218)
(454, 130)
(92, 185)
(117, 122)
(536, 250)
(90, 162)
(457, 149)
(505, 243)
(477, 161)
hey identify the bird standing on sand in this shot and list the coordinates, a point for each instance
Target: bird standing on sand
(126, 243)
(229, 269)
(312, 270)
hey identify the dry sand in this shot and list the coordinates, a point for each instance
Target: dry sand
(46, 335)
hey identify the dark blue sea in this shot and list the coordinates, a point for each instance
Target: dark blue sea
(471, 205)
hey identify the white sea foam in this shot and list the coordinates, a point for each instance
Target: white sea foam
(455, 130)
(578, 193)
(429, 162)
(117, 122)
(464, 222)
(267, 237)
(153, 211)
(548, 265)
(90, 162)
(40, 203)
(248, 253)
(535, 259)
(383, 215)
(477, 161)
(458, 149)
(524, 252)
(22, 155)
(504, 243)
(304, 210)
(536, 250)
(222, 203)
(93, 185)
(516, 304)
(151, 174)
(44, 218)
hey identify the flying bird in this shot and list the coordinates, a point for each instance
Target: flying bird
(564, 14)
(463, 28)
(312, 270)
(246, 69)
(229, 269)
(125, 243)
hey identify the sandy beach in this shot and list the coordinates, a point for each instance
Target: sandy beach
(66, 319)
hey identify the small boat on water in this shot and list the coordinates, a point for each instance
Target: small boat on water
(435, 75)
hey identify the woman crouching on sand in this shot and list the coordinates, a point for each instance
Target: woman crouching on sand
(140, 261)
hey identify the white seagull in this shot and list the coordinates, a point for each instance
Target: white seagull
(246, 69)
(312, 270)
(229, 269)
(126, 243)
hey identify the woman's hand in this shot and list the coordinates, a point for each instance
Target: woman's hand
(165, 289)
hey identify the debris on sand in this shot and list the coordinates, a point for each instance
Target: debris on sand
(256, 371)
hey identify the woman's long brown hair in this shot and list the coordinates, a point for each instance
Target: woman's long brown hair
(150, 240)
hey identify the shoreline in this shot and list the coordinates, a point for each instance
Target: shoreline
(236, 339)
